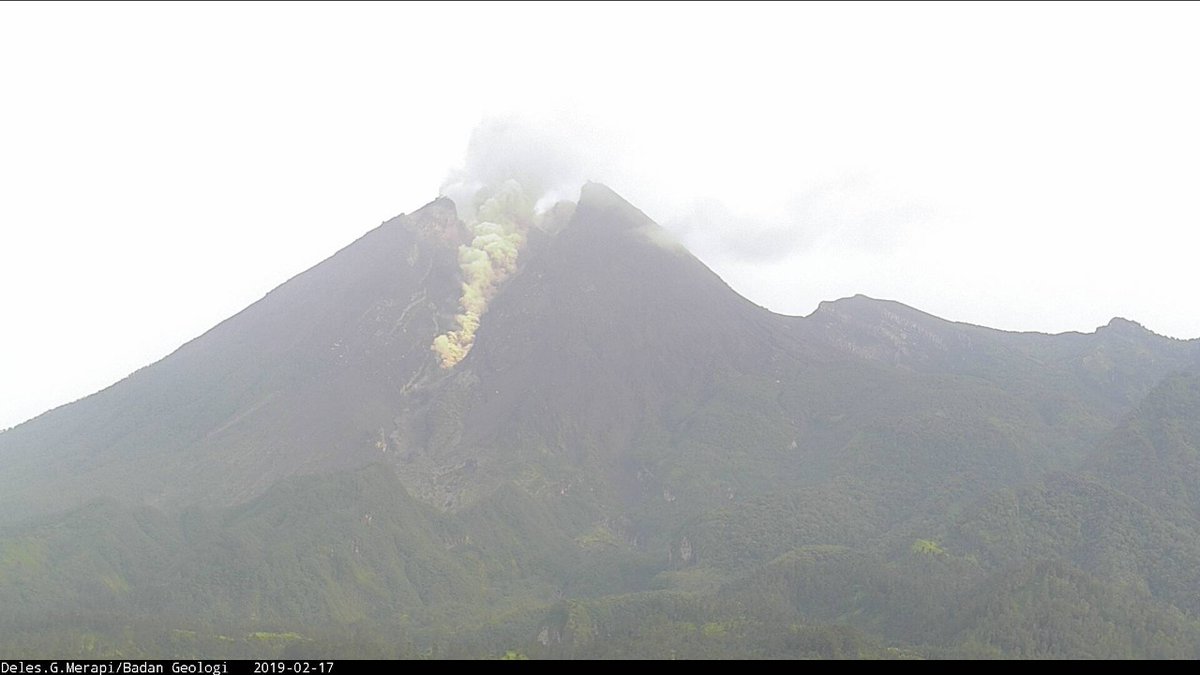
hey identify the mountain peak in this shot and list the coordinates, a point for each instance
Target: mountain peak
(625, 424)
(1123, 325)
(1120, 327)
(600, 206)
(437, 221)
(593, 191)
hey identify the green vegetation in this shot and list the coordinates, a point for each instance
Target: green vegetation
(927, 547)
(632, 462)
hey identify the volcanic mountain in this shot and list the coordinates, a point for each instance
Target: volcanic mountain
(627, 442)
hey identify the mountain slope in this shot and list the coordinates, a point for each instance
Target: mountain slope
(623, 423)
(608, 334)
(612, 352)
(304, 380)
(1128, 518)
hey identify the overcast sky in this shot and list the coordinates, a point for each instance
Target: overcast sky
(1027, 167)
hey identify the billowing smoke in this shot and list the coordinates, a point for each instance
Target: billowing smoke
(512, 179)
(518, 170)
(550, 159)
(498, 225)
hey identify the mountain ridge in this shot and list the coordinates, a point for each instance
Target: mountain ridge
(611, 261)
(630, 455)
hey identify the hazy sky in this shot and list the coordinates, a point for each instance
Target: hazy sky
(1027, 167)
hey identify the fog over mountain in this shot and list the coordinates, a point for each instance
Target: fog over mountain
(529, 420)
(165, 167)
(720, 330)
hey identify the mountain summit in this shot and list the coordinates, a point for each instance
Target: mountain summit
(314, 376)
(498, 411)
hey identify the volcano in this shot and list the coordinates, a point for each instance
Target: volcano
(630, 459)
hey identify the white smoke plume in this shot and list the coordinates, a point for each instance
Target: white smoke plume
(499, 225)
(518, 170)
(515, 176)
(550, 159)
